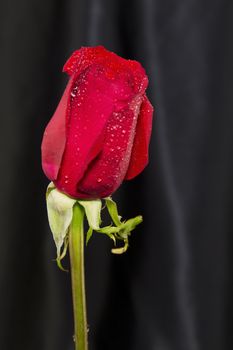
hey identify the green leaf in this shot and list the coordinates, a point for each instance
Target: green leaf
(129, 225)
(121, 232)
(92, 210)
(89, 235)
(108, 231)
(121, 250)
(60, 213)
(112, 209)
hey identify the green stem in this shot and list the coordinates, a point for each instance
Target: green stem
(76, 249)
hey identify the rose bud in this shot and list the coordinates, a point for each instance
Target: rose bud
(99, 134)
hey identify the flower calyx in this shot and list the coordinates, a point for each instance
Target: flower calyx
(60, 214)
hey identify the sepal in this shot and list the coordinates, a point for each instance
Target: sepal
(60, 213)
(92, 210)
(89, 235)
(122, 230)
(113, 212)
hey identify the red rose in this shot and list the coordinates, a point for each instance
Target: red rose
(100, 132)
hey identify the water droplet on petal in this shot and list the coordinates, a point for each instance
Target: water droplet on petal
(99, 179)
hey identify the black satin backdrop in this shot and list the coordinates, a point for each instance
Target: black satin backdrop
(173, 290)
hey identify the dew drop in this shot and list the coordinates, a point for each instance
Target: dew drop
(99, 179)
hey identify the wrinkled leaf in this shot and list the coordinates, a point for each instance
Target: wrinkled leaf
(121, 250)
(121, 232)
(129, 225)
(112, 209)
(109, 231)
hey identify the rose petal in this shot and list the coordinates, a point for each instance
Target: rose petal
(91, 105)
(105, 86)
(83, 58)
(107, 172)
(54, 139)
(139, 156)
(139, 74)
(70, 65)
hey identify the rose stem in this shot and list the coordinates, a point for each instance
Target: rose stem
(76, 249)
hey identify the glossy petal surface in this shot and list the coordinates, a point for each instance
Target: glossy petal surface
(112, 63)
(139, 157)
(54, 139)
(95, 140)
(90, 108)
(108, 171)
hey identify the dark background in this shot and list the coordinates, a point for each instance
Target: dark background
(173, 290)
